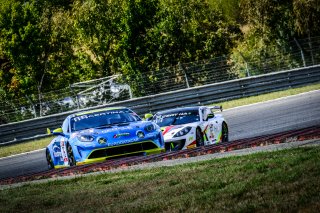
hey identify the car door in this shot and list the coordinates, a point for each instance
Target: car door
(214, 126)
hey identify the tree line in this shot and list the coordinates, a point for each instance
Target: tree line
(49, 44)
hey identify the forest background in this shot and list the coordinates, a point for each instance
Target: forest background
(47, 45)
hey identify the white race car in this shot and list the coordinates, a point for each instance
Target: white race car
(190, 127)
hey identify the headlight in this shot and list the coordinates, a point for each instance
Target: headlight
(85, 138)
(183, 132)
(149, 128)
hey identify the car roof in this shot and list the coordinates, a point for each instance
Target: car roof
(96, 110)
(179, 109)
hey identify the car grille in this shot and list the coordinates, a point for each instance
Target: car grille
(175, 145)
(127, 150)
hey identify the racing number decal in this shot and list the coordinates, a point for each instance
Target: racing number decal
(64, 152)
(208, 133)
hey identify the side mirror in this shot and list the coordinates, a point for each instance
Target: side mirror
(58, 131)
(148, 116)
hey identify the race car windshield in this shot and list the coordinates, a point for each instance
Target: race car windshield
(103, 119)
(176, 118)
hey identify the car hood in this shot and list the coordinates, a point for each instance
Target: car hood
(118, 133)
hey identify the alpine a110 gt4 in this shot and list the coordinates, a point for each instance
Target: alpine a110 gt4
(190, 127)
(94, 136)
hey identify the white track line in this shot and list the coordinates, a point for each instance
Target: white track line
(273, 100)
(25, 153)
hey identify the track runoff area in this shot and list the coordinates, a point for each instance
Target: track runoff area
(291, 136)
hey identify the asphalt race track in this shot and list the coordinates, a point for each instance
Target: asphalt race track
(270, 117)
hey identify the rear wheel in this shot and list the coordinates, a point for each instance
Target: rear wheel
(49, 160)
(72, 161)
(199, 138)
(225, 132)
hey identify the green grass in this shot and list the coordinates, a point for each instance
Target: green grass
(38, 144)
(24, 147)
(281, 181)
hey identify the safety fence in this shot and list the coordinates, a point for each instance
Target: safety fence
(201, 95)
(298, 53)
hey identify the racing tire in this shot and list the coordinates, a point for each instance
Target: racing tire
(199, 138)
(49, 160)
(71, 159)
(225, 132)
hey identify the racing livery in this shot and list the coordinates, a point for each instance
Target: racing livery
(97, 135)
(191, 127)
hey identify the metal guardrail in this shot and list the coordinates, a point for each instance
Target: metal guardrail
(35, 128)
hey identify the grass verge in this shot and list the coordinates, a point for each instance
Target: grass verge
(280, 181)
(39, 144)
(24, 147)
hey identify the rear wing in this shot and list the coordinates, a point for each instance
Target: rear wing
(216, 108)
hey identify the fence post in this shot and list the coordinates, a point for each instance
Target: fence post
(76, 95)
(245, 61)
(130, 91)
(185, 75)
(301, 51)
(33, 107)
(310, 45)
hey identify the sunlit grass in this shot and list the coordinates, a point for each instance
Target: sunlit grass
(24, 147)
(38, 144)
(281, 181)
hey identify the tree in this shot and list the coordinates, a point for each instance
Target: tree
(307, 17)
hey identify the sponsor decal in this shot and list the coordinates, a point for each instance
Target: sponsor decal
(192, 145)
(98, 114)
(64, 154)
(121, 135)
(117, 128)
(56, 151)
(212, 128)
(57, 154)
(122, 142)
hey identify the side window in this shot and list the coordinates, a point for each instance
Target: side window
(207, 114)
(211, 115)
(65, 126)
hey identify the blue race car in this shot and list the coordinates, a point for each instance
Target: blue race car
(97, 135)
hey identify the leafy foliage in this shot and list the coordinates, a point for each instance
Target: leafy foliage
(47, 45)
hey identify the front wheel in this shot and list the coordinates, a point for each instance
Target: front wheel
(49, 160)
(72, 161)
(225, 132)
(199, 138)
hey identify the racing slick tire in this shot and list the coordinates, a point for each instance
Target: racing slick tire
(71, 159)
(225, 132)
(199, 138)
(49, 160)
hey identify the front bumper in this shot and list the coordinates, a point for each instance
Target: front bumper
(175, 145)
(133, 149)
